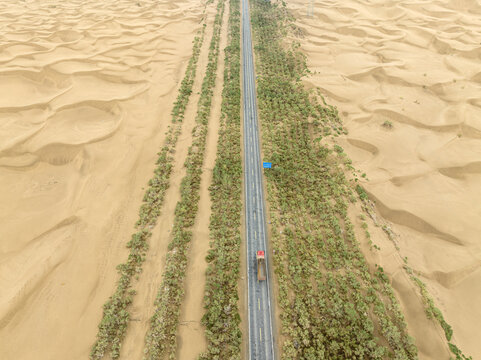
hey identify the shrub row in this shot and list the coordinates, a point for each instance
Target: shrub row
(333, 306)
(221, 318)
(113, 324)
(432, 312)
(161, 339)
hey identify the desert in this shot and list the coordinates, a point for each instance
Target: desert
(406, 79)
(125, 226)
(87, 88)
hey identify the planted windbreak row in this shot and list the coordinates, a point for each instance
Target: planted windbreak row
(222, 318)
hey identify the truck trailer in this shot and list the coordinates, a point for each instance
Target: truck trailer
(261, 265)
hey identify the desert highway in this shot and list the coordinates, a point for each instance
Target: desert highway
(261, 341)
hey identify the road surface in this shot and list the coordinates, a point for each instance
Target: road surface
(261, 341)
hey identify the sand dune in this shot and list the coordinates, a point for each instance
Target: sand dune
(87, 88)
(415, 64)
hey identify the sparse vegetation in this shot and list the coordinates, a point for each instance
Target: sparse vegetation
(161, 339)
(361, 192)
(116, 316)
(432, 312)
(387, 124)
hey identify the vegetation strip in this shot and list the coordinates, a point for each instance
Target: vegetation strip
(161, 339)
(221, 317)
(432, 312)
(116, 316)
(333, 306)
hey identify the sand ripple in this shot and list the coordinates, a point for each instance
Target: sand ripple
(86, 90)
(415, 64)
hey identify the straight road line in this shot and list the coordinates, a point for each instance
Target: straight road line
(261, 340)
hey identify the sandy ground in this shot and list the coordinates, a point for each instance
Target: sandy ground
(191, 334)
(87, 89)
(149, 282)
(417, 65)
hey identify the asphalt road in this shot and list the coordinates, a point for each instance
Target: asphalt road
(261, 341)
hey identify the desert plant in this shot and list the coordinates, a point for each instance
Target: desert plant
(387, 124)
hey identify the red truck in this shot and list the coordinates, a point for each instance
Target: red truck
(261, 265)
